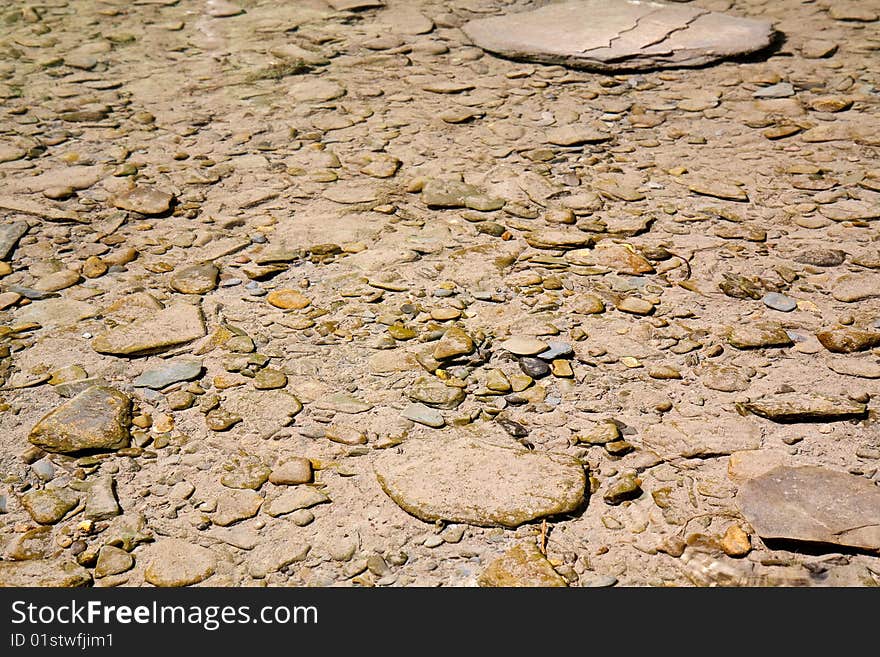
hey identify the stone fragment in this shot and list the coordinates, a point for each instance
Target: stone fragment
(169, 372)
(521, 566)
(815, 505)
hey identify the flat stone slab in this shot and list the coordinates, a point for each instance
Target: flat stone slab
(804, 407)
(55, 573)
(612, 35)
(692, 437)
(173, 562)
(168, 373)
(463, 479)
(813, 504)
(177, 324)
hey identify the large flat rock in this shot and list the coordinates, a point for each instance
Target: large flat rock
(96, 418)
(43, 573)
(693, 437)
(813, 504)
(464, 479)
(177, 324)
(611, 35)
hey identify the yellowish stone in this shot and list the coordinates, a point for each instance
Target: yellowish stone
(288, 299)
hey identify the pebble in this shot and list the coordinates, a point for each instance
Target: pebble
(195, 279)
(288, 299)
(270, 379)
(422, 414)
(635, 306)
(301, 497)
(293, 471)
(534, 367)
(112, 561)
(143, 200)
(524, 346)
(779, 302)
(455, 342)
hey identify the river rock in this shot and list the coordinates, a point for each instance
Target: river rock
(804, 407)
(758, 336)
(144, 200)
(177, 324)
(54, 313)
(235, 505)
(43, 573)
(848, 340)
(48, 506)
(293, 471)
(610, 35)
(521, 566)
(168, 373)
(455, 480)
(813, 504)
(524, 346)
(195, 279)
(422, 414)
(433, 392)
(174, 562)
(301, 497)
(101, 502)
(850, 288)
(9, 235)
(112, 561)
(97, 418)
(274, 555)
(455, 342)
(865, 369)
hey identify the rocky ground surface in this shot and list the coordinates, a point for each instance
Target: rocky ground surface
(320, 293)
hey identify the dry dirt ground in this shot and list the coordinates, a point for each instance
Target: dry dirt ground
(275, 275)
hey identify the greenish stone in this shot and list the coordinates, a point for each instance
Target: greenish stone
(49, 506)
(250, 474)
(521, 566)
(112, 561)
(97, 418)
(756, 336)
(625, 487)
(43, 573)
(270, 379)
(433, 392)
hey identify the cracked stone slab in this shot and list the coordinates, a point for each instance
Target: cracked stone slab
(611, 35)
(815, 505)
